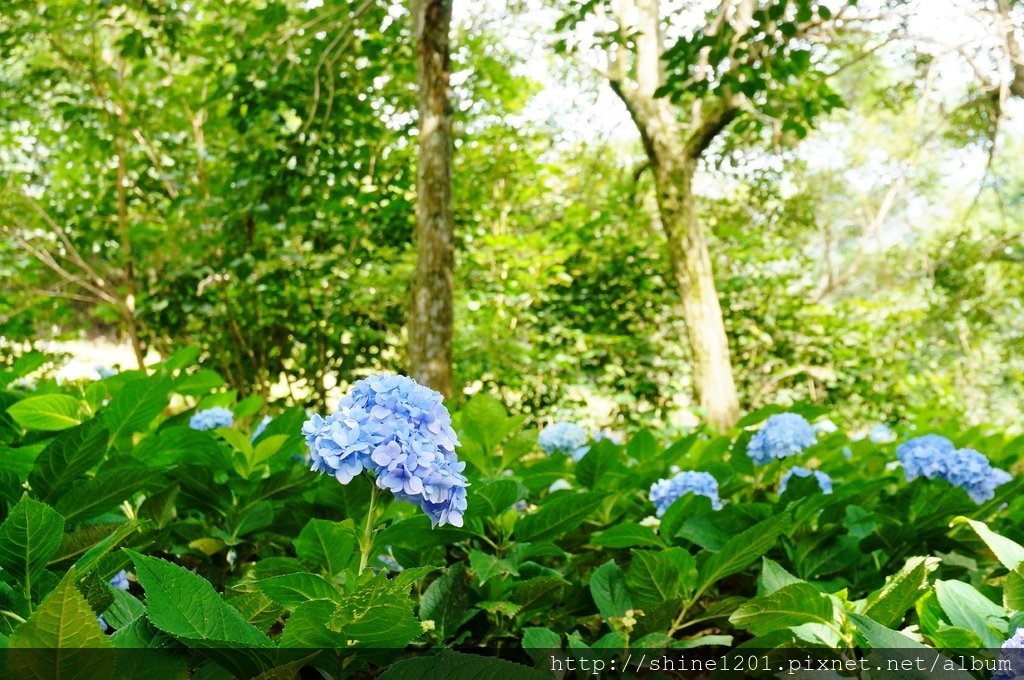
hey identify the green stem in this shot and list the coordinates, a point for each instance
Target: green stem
(366, 542)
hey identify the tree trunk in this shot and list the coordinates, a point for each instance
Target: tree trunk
(691, 264)
(673, 152)
(430, 315)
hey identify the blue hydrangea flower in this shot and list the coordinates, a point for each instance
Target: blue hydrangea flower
(825, 426)
(783, 435)
(565, 438)
(824, 481)
(402, 432)
(924, 456)
(104, 371)
(260, 426)
(664, 492)
(881, 434)
(1013, 652)
(934, 457)
(212, 418)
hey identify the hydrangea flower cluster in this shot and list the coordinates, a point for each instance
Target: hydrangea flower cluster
(824, 481)
(881, 434)
(783, 435)
(119, 581)
(932, 456)
(260, 426)
(610, 436)
(401, 431)
(565, 438)
(212, 418)
(664, 492)
(825, 426)
(1013, 651)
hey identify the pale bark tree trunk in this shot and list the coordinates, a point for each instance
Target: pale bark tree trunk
(430, 317)
(673, 150)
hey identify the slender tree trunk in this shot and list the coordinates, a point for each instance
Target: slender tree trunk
(430, 315)
(673, 152)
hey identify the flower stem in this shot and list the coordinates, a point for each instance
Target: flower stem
(366, 541)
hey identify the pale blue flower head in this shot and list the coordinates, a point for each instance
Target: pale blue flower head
(934, 457)
(1013, 656)
(565, 438)
(924, 456)
(825, 426)
(260, 426)
(664, 492)
(881, 434)
(783, 435)
(824, 481)
(212, 418)
(120, 580)
(402, 432)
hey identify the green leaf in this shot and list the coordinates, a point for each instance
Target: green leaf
(135, 406)
(67, 457)
(492, 498)
(63, 620)
(47, 412)
(877, 636)
(123, 610)
(608, 588)
(627, 536)
(199, 383)
(486, 566)
(457, 666)
(643, 446)
(113, 484)
(291, 590)
(327, 545)
(186, 606)
(1009, 553)
(773, 577)
(307, 627)
(889, 604)
(1013, 591)
(29, 537)
(446, 601)
(657, 576)
(739, 551)
(376, 614)
(969, 609)
(558, 516)
(601, 467)
(789, 606)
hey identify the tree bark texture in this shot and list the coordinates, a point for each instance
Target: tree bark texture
(673, 150)
(430, 318)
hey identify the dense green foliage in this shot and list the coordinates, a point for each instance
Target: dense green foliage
(234, 546)
(268, 209)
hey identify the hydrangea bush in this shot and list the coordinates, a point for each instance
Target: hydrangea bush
(483, 541)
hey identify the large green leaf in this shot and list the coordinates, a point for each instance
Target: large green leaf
(608, 588)
(657, 576)
(67, 457)
(116, 482)
(64, 619)
(792, 605)
(457, 666)
(135, 406)
(558, 516)
(446, 601)
(889, 604)
(969, 609)
(490, 499)
(29, 537)
(46, 412)
(327, 545)
(877, 636)
(307, 627)
(291, 590)
(773, 576)
(376, 613)
(742, 549)
(627, 536)
(186, 606)
(1009, 553)
(1013, 591)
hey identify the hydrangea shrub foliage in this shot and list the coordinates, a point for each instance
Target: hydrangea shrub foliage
(426, 525)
